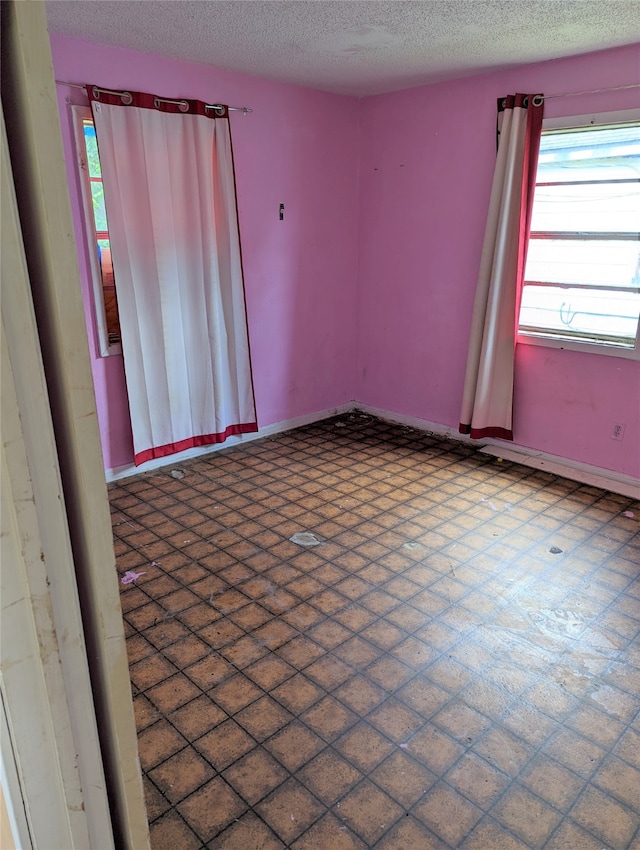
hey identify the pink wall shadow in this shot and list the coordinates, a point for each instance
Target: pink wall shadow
(298, 147)
(427, 158)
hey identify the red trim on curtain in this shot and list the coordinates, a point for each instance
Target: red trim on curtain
(194, 442)
(481, 433)
(143, 100)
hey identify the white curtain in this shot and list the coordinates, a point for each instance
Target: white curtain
(487, 401)
(172, 216)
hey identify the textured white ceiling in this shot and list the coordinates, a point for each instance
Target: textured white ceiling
(356, 48)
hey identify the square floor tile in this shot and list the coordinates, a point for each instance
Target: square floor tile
(235, 693)
(156, 804)
(172, 693)
(269, 672)
(290, 810)
(410, 834)
(403, 778)
(526, 816)
(210, 671)
(606, 818)
(212, 808)
(553, 782)
(329, 718)
(247, 831)
(446, 813)
(395, 720)
(145, 712)
(170, 831)
(328, 832)
(263, 718)
(196, 717)
(356, 652)
(389, 673)
(360, 695)
(329, 776)
(255, 775)
(225, 744)
(504, 750)
(298, 693)
(329, 672)
(150, 671)
(157, 743)
(181, 774)
(489, 834)
(434, 749)
(369, 812)
(477, 780)
(621, 781)
(570, 836)
(295, 745)
(364, 747)
(300, 652)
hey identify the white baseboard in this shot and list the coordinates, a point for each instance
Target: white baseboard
(414, 422)
(595, 476)
(585, 473)
(277, 428)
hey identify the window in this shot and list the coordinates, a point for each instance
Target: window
(104, 290)
(582, 278)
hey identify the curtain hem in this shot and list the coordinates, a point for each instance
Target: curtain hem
(480, 433)
(194, 442)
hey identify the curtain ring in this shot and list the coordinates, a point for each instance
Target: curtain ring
(525, 101)
(125, 96)
(538, 100)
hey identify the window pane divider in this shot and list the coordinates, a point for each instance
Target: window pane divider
(587, 236)
(589, 182)
(597, 339)
(588, 287)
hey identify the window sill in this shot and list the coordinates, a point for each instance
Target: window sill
(583, 347)
(111, 350)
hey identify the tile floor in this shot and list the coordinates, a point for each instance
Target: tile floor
(435, 674)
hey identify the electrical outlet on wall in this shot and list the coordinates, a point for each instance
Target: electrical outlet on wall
(617, 432)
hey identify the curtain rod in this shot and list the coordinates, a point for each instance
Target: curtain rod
(244, 109)
(592, 91)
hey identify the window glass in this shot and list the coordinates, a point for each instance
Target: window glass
(101, 227)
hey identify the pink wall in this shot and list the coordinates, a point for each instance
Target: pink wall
(365, 290)
(298, 147)
(426, 164)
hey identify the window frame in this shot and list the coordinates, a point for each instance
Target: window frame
(577, 122)
(105, 348)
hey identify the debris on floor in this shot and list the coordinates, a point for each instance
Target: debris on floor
(628, 513)
(555, 550)
(411, 546)
(491, 505)
(130, 576)
(305, 538)
(177, 473)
